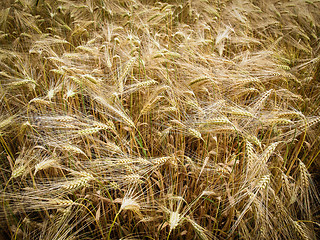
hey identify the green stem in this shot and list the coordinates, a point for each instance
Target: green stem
(115, 218)
(169, 234)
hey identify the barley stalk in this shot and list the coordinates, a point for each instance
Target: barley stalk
(51, 162)
(239, 112)
(89, 131)
(77, 183)
(124, 73)
(130, 204)
(161, 160)
(300, 230)
(268, 152)
(6, 122)
(18, 171)
(194, 133)
(61, 202)
(304, 175)
(133, 178)
(251, 155)
(73, 149)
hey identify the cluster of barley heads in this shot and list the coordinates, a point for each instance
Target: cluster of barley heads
(145, 119)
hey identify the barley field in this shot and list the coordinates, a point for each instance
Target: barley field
(172, 119)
